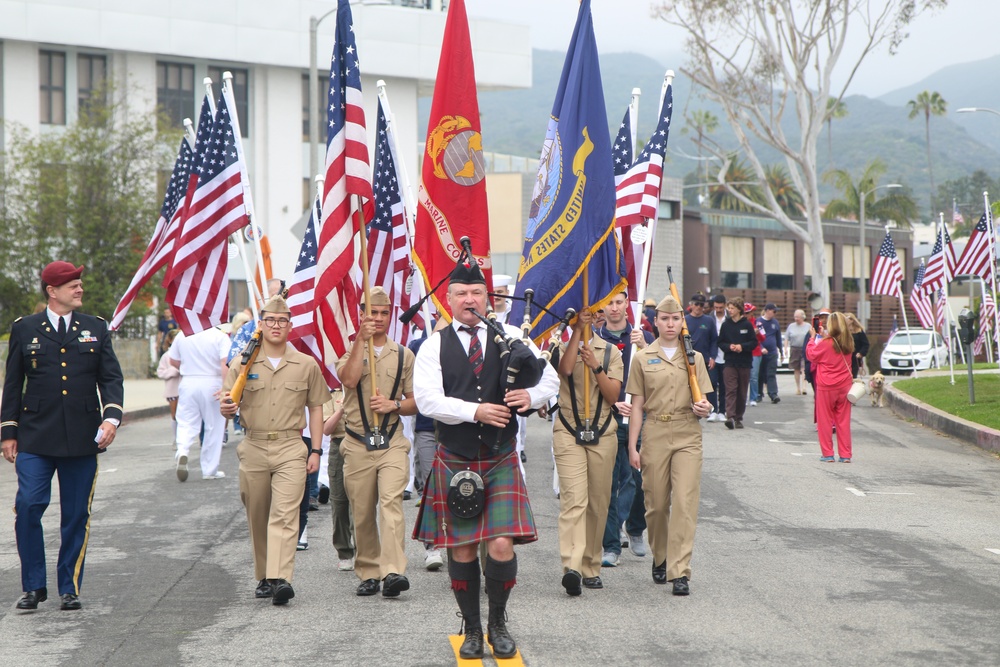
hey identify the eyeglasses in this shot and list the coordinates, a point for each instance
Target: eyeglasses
(280, 322)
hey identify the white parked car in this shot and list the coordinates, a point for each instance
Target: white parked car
(913, 348)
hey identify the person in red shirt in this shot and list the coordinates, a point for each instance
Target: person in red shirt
(829, 351)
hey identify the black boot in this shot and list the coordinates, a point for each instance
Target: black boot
(465, 580)
(500, 578)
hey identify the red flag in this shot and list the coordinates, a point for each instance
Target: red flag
(347, 174)
(452, 196)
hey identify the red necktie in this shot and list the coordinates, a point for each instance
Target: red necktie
(475, 350)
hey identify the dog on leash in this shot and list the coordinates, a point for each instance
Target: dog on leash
(876, 385)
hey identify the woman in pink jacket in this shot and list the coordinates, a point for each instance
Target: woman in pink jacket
(829, 351)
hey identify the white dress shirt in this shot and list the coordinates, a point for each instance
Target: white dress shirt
(428, 387)
(54, 319)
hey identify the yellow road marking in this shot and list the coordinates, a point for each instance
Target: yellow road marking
(513, 661)
(456, 644)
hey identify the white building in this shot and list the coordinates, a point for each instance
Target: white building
(53, 52)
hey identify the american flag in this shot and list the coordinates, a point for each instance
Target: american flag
(347, 173)
(987, 323)
(388, 242)
(622, 153)
(941, 265)
(956, 215)
(921, 302)
(161, 245)
(942, 317)
(975, 259)
(887, 274)
(302, 303)
(638, 189)
(199, 272)
(895, 326)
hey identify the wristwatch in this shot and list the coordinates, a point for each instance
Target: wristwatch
(315, 451)
(398, 405)
(599, 369)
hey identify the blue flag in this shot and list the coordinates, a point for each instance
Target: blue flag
(572, 218)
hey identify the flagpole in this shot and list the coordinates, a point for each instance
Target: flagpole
(409, 205)
(585, 336)
(633, 115)
(947, 302)
(368, 302)
(990, 231)
(989, 338)
(227, 90)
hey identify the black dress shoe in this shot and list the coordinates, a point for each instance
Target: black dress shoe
(407, 495)
(472, 647)
(283, 592)
(264, 589)
(394, 584)
(571, 582)
(70, 602)
(501, 641)
(660, 573)
(681, 586)
(739, 424)
(593, 582)
(730, 424)
(31, 599)
(524, 457)
(368, 587)
(324, 495)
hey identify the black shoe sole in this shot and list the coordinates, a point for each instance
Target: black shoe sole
(282, 596)
(324, 495)
(397, 587)
(572, 582)
(730, 424)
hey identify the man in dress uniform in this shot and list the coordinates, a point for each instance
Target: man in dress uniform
(376, 453)
(671, 455)
(476, 433)
(585, 445)
(280, 384)
(57, 423)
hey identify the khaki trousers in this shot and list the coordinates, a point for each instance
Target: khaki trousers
(272, 481)
(584, 494)
(671, 457)
(375, 483)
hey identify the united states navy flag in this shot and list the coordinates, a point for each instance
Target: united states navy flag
(572, 217)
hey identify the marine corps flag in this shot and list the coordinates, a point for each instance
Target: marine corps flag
(570, 241)
(452, 194)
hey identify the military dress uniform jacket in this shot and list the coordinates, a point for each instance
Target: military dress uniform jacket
(60, 410)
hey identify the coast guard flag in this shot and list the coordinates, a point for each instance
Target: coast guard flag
(452, 194)
(920, 301)
(572, 217)
(887, 274)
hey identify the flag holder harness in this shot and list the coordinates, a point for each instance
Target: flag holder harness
(584, 434)
(380, 437)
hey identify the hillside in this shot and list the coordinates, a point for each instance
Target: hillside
(514, 121)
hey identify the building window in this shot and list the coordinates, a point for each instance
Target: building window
(736, 280)
(175, 91)
(778, 281)
(91, 74)
(52, 87)
(240, 93)
(322, 89)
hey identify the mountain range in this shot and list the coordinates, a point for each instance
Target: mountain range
(514, 121)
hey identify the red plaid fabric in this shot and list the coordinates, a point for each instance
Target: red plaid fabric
(507, 512)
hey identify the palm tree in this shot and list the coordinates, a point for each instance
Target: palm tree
(787, 196)
(835, 109)
(740, 177)
(703, 123)
(930, 104)
(897, 204)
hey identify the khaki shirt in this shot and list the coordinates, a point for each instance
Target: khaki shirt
(664, 382)
(385, 376)
(275, 399)
(615, 371)
(335, 403)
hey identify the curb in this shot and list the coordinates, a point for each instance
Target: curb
(906, 406)
(145, 413)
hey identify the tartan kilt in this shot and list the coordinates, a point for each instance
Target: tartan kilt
(506, 514)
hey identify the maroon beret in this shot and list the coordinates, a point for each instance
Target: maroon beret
(60, 273)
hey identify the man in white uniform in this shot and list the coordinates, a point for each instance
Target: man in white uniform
(201, 359)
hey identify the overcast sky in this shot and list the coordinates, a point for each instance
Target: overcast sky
(963, 32)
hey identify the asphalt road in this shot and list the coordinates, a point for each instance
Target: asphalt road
(884, 561)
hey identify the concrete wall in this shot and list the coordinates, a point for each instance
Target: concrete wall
(132, 353)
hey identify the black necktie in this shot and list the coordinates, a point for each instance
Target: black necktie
(475, 350)
(62, 327)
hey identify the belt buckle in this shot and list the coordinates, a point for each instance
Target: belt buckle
(272, 435)
(664, 418)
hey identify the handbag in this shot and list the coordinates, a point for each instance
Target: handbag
(859, 388)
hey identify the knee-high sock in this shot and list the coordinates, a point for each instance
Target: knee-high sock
(500, 578)
(465, 585)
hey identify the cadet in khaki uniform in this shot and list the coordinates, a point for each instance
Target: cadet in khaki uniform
(671, 444)
(281, 384)
(585, 470)
(343, 524)
(375, 478)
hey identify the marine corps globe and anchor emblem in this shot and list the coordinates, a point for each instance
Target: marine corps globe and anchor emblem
(456, 149)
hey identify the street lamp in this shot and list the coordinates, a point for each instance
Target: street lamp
(862, 315)
(975, 109)
(314, 111)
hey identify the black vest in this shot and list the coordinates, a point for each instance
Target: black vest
(460, 382)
